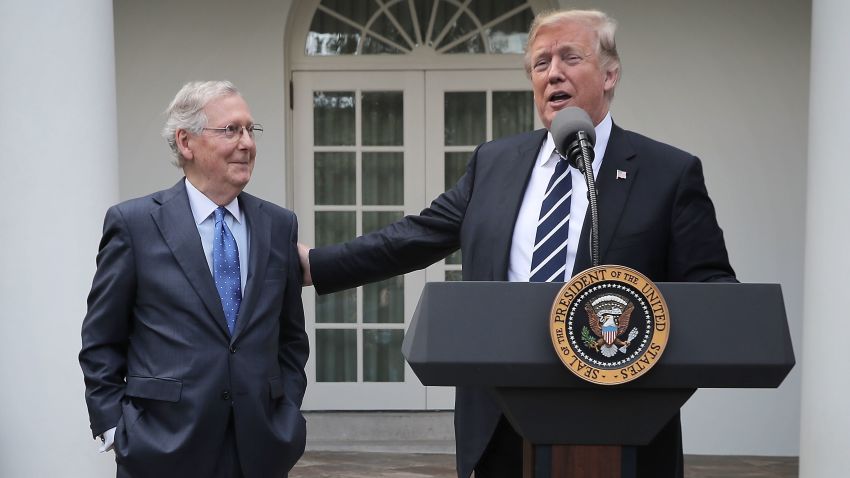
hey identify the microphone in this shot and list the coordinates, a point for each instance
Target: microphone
(574, 136)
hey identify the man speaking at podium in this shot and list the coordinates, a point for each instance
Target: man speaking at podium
(519, 215)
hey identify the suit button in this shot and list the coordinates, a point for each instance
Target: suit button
(233, 349)
(225, 395)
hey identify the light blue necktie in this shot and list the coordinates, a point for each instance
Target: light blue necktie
(228, 280)
(549, 258)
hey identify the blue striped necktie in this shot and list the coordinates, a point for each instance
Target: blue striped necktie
(549, 258)
(228, 279)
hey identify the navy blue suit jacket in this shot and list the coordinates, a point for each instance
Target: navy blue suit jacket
(158, 359)
(659, 221)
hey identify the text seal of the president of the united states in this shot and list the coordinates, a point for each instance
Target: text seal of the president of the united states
(609, 324)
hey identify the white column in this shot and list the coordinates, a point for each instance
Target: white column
(59, 173)
(825, 427)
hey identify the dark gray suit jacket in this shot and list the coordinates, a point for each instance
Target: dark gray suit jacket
(158, 359)
(659, 220)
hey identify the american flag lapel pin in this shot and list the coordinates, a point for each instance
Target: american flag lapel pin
(621, 174)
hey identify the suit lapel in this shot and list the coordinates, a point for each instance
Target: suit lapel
(259, 228)
(176, 224)
(511, 195)
(613, 192)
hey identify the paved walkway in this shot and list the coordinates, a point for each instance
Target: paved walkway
(395, 465)
(347, 464)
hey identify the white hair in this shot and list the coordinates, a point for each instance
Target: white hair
(186, 110)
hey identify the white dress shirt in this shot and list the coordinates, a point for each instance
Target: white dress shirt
(525, 228)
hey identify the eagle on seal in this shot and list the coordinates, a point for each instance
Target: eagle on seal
(609, 318)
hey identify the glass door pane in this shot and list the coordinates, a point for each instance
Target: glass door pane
(369, 167)
(359, 168)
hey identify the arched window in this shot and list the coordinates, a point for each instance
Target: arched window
(342, 27)
(420, 34)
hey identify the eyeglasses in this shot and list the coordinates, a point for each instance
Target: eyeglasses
(234, 131)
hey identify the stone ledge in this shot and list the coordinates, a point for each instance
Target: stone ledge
(386, 432)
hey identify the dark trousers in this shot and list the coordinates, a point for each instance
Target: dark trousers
(662, 458)
(503, 456)
(227, 462)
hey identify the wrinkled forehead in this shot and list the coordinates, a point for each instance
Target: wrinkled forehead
(228, 108)
(561, 48)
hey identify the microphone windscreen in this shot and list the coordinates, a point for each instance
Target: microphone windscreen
(567, 123)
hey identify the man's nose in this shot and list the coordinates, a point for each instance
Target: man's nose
(555, 73)
(245, 138)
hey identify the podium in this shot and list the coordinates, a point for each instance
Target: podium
(496, 335)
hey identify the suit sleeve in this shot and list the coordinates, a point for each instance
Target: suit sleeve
(697, 250)
(412, 243)
(106, 327)
(293, 348)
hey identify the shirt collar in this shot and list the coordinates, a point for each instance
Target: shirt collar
(603, 132)
(203, 207)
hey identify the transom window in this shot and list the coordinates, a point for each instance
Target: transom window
(368, 27)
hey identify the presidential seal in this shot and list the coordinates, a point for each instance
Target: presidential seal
(609, 324)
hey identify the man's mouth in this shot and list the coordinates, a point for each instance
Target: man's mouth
(559, 97)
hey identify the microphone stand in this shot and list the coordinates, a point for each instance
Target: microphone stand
(585, 165)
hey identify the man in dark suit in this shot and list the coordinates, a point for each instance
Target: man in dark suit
(193, 346)
(655, 216)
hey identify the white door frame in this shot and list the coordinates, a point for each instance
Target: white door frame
(358, 395)
(424, 158)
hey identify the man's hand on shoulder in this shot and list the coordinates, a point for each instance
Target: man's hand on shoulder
(304, 257)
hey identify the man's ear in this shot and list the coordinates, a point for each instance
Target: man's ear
(612, 76)
(181, 137)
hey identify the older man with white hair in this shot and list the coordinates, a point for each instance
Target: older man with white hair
(193, 345)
